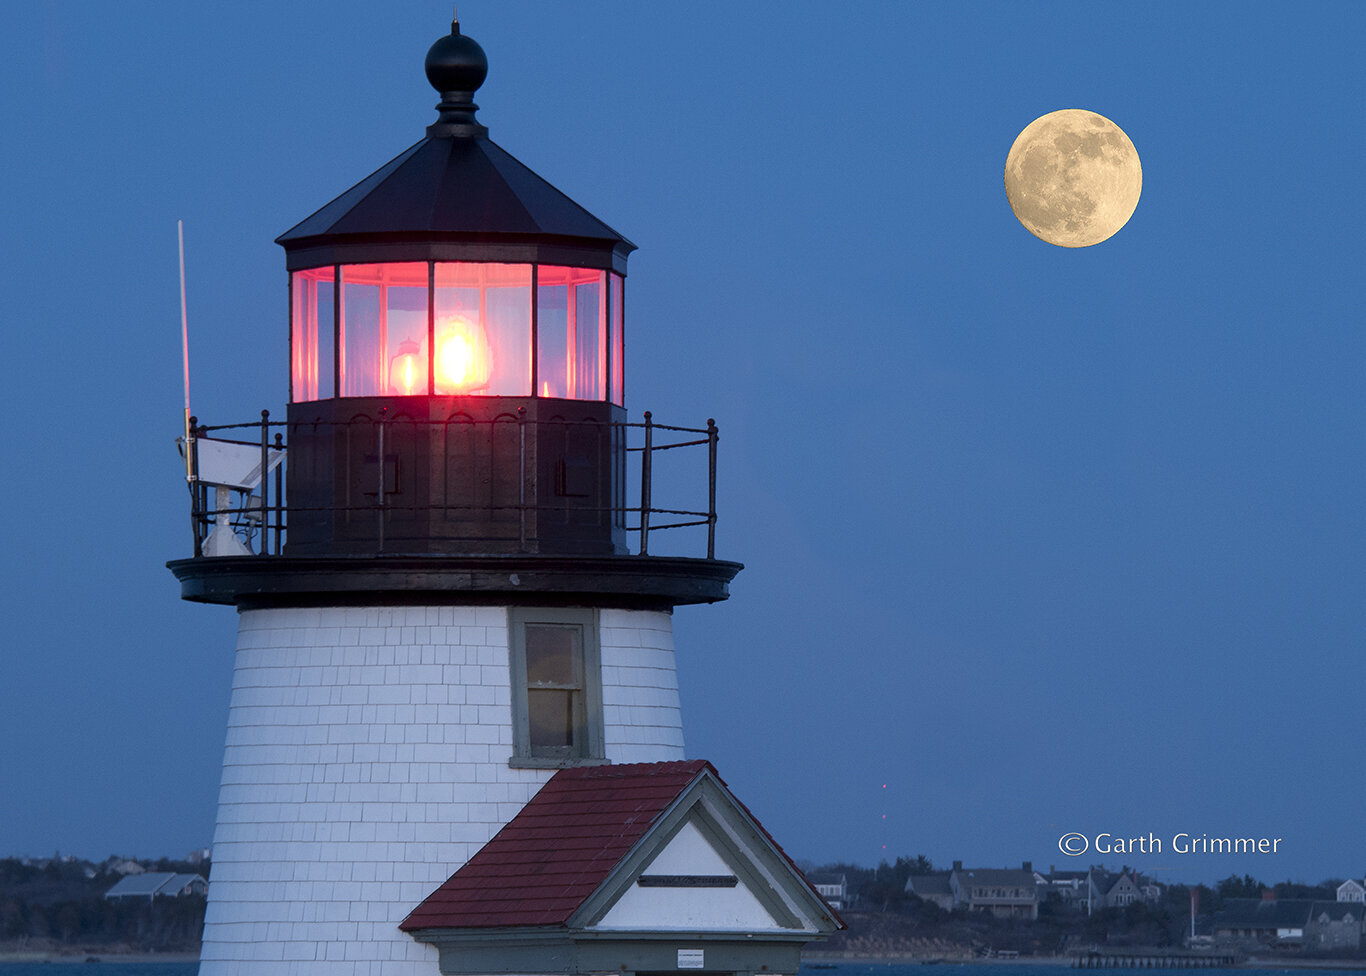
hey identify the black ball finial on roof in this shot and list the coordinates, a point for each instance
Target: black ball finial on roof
(456, 62)
(456, 66)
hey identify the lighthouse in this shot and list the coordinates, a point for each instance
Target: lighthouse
(454, 736)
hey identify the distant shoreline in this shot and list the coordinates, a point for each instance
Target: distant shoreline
(819, 960)
(84, 954)
(1252, 962)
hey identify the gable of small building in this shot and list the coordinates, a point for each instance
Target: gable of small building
(647, 866)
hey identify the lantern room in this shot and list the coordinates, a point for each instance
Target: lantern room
(456, 348)
(456, 328)
(456, 412)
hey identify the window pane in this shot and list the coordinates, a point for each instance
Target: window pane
(384, 329)
(551, 715)
(552, 332)
(552, 656)
(311, 322)
(556, 701)
(571, 329)
(618, 340)
(405, 337)
(483, 328)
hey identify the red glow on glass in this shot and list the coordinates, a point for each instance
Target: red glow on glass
(464, 360)
(482, 329)
(407, 374)
(571, 317)
(383, 328)
(618, 342)
(311, 323)
(413, 328)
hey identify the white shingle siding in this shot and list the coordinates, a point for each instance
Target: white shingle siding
(367, 759)
(640, 707)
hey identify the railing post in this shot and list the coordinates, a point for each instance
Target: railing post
(192, 449)
(265, 481)
(379, 500)
(279, 493)
(711, 488)
(521, 477)
(645, 466)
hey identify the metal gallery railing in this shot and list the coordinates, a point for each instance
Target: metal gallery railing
(238, 486)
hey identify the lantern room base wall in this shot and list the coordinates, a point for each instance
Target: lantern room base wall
(459, 475)
(367, 759)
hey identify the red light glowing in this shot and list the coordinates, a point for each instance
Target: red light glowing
(408, 370)
(463, 358)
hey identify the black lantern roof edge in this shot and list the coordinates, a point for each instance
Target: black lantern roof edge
(454, 194)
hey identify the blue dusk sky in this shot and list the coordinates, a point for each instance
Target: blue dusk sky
(1037, 540)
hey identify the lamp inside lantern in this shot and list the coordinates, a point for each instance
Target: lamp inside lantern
(408, 369)
(464, 359)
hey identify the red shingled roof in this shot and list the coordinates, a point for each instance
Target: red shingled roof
(559, 849)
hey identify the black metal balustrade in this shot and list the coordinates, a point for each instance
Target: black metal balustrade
(258, 514)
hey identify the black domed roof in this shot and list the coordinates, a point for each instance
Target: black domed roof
(455, 195)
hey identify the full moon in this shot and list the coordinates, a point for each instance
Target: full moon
(1073, 178)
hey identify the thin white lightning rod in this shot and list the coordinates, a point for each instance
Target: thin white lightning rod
(185, 356)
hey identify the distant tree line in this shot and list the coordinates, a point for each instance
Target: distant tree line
(883, 888)
(881, 909)
(61, 902)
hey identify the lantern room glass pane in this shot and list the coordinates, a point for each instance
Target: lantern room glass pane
(483, 329)
(311, 333)
(571, 333)
(384, 329)
(618, 339)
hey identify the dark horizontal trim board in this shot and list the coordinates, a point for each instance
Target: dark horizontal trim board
(580, 953)
(687, 881)
(628, 582)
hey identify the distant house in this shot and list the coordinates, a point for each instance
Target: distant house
(1262, 921)
(1291, 923)
(933, 888)
(1109, 890)
(1335, 925)
(158, 884)
(834, 888)
(124, 866)
(1066, 888)
(1352, 890)
(1004, 892)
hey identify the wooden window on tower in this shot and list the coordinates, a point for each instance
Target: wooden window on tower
(556, 687)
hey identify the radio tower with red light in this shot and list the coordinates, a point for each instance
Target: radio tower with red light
(445, 592)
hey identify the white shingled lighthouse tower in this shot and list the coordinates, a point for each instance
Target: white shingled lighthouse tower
(445, 593)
